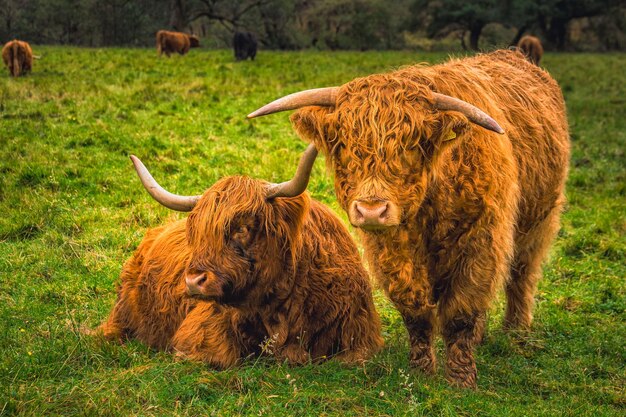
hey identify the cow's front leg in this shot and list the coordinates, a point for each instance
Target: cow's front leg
(420, 329)
(475, 268)
(412, 301)
(461, 333)
(286, 341)
(462, 313)
(208, 334)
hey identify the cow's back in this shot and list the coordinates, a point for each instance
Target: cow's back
(529, 106)
(536, 125)
(173, 41)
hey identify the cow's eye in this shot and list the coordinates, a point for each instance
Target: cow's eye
(242, 233)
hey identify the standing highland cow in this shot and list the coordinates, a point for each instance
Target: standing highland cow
(18, 57)
(175, 42)
(531, 47)
(261, 262)
(450, 205)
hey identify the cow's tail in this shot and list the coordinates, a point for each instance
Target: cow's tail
(17, 64)
(533, 53)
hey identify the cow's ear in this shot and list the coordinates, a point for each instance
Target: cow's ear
(451, 130)
(309, 124)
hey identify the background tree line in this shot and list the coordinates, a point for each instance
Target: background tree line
(322, 24)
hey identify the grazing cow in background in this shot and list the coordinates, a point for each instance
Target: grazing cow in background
(531, 47)
(18, 57)
(261, 262)
(171, 42)
(450, 205)
(245, 46)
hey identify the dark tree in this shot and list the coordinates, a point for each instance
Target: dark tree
(551, 17)
(279, 20)
(178, 15)
(470, 16)
(230, 14)
(522, 15)
(555, 15)
(294, 24)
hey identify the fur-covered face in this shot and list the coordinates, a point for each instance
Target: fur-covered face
(242, 245)
(194, 41)
(382, 139)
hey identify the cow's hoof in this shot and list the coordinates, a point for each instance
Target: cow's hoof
(513, 325)
(294, 355)
(462, 377)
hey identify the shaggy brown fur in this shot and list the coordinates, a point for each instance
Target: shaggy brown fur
(18, 57)
(475, 210)
(172, 42)
(531, 47)
(285, 270)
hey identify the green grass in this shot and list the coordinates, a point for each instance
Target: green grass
(73, 211)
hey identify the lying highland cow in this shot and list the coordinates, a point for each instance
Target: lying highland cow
(531, 47)
(450, 205)
(18, 57)
(260, 262)
(175, 42)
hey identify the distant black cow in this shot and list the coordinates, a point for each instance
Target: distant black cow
(245, 46)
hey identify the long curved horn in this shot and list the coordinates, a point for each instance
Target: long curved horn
(300, 180)
(315, 97)
(473, 113)
(169, 200)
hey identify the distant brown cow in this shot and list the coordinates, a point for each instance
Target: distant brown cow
(18, 57)
(262, 262)
(170, 42)
(531, 47)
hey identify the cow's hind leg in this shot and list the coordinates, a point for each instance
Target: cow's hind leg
(115, 327)
(27, 67)
(360, 333)
(531, 249)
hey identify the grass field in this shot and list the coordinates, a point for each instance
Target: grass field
(73, 211)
